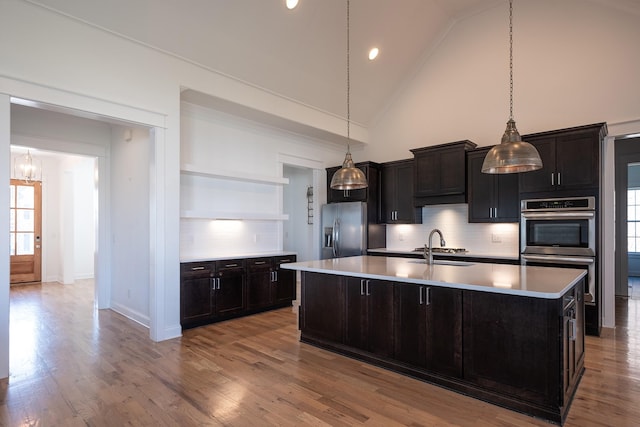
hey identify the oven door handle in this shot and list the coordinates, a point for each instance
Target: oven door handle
(559, 215)
(559, 259)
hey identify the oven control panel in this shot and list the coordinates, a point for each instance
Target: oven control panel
(573, 203)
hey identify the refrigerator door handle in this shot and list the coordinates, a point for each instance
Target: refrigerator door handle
(336, 238)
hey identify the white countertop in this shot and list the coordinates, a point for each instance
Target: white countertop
(538, 282)
(205, 258)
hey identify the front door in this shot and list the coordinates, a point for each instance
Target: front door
(26, 224)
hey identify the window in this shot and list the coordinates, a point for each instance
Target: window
(633, 219)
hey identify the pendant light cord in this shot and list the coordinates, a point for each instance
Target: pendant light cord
(348, 87)
(511, 59)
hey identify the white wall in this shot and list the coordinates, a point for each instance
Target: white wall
(298, 233)
(129, 211)
(219, 142)
(575, 62)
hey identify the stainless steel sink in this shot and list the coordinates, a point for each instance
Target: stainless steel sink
(444, 262)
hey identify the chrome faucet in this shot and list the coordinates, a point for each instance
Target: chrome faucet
(429, 258)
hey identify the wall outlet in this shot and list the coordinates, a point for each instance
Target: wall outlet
(255, 238)
(496, 238)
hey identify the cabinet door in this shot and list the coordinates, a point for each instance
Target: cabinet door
(411, 323)
(507, 198)
(577, 161)
(389, 193)
(541, 179)
(196, 293)
(356, 313)
(482, 188)
(230, 293)
(370, 318)
(322, 307)
(285, 280)
(380, 317)
(259, 282)
(427, 173)
(397, 194)
(498, 342)
(406, 212)
(440, 171)
(444, 330)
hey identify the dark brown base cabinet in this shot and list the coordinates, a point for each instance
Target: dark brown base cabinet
(523, 353)
(211, 291)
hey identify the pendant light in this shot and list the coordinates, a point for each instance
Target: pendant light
(24, 168)
(348, 177)
(512, 155)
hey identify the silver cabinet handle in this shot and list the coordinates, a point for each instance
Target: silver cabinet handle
(559, 178)
(361, 286)
(218, 283)
(573, 329)
(428, 296)
(231, 265)
(197, 268)
(283, 261)
(213, 283)
(259, 262)
(368, 292)
(495, 212)
(275, 276)
(421, 297)
(553, 179)
(490, 212)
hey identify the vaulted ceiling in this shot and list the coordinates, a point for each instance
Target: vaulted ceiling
(299, 54)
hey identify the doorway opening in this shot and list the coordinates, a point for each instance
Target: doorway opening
(627, 228)
(298, 201)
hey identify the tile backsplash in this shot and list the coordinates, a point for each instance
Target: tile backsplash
(482, 239)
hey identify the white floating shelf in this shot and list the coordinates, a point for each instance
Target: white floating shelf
(189, 169)
(255, 216)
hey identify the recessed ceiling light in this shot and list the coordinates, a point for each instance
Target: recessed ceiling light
(291, 3)
(373, 53)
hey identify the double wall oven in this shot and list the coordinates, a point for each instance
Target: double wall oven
(561, 233)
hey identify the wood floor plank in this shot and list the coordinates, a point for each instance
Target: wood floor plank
(74, 366)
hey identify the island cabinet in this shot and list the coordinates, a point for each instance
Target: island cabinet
(570, 161)
(505, 356)
(429, 328)
(440, 173)
(397, 194)
(522, 352)
(491, 197)
(370, 316)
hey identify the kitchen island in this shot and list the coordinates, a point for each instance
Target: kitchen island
(507, 334)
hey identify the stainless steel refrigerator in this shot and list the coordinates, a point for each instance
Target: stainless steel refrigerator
(344, 230)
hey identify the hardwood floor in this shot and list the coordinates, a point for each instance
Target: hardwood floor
(74, 366)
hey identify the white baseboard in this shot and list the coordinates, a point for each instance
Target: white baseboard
(131, 314)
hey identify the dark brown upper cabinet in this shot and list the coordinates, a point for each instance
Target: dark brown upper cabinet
(491, 197)
(570, 160)
(397, 193)
(440, 173)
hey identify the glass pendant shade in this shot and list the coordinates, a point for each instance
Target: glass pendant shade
(512, 155)
(348, 177)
